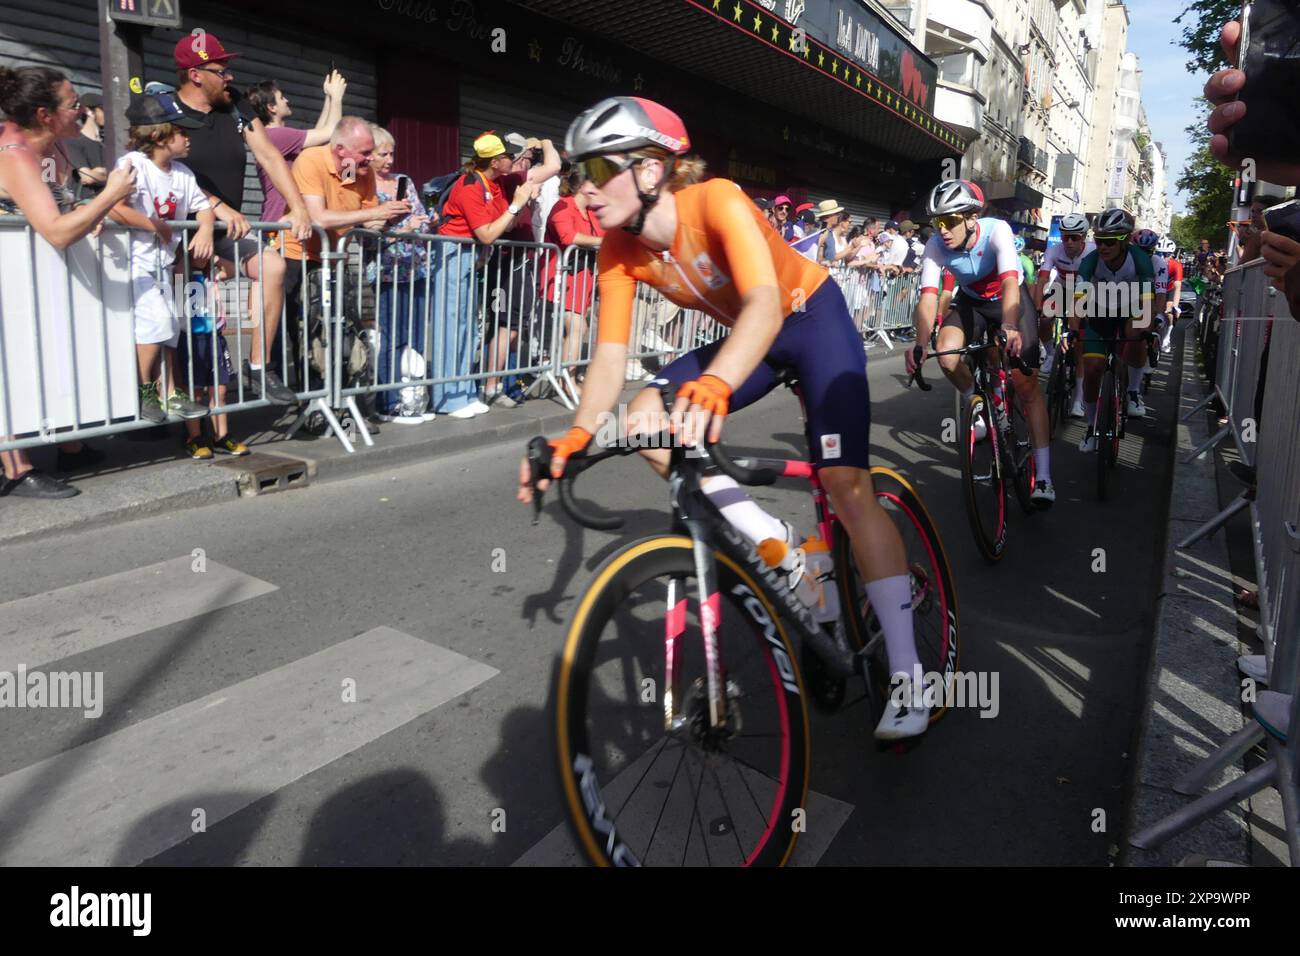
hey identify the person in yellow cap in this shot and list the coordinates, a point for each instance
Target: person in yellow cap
(477, 208)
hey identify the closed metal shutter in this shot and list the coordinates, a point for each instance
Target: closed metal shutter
(296, 60)
(65, 35)
(54, 33)
(490, 104)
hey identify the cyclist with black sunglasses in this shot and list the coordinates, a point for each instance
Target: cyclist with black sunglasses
(980, 253)
(1116, 289)
(705, 246)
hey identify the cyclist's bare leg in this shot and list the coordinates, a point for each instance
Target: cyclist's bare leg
(952, 337)
(646, 416)
(1031, 399)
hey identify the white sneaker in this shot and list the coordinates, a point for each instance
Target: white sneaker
(1254, 666)
(479, 407)
(1044, 495)
(1077, 409)
(899, 721)
(981, 429)
(468, 411)
(1089, 442)
(428, 416)
(1135, 407)
(1166, 348)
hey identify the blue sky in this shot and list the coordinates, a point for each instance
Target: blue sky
(1168, 90)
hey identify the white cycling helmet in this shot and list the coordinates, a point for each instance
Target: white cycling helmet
(1166, 247)
(1113, 222)
(954, 196)
(625, 124)
(1074, 223)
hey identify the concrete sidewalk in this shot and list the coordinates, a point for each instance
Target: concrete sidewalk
(1193, 699)
(146, 472)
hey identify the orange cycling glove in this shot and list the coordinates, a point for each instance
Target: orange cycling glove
(709, 392)
(574, 441)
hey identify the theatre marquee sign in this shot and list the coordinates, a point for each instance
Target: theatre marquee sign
(849, 43)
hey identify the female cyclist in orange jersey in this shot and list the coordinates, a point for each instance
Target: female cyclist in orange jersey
(706, 246)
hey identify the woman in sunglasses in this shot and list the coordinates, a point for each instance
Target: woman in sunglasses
(705, 246)
(980, 253)
(785, 223)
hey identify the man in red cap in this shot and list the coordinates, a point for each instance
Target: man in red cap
(217, 157)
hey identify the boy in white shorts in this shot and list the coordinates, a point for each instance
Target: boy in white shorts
(165, 191)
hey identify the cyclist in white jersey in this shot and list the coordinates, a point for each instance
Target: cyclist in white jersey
(1149, 242)
(980, 254)
(1056, 273)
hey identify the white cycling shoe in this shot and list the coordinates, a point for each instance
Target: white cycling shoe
(900, 721)
(1044, 495)
(1136, 407)
(1254, 666)
(1076, 409)
(1089, 442)
(981, 429)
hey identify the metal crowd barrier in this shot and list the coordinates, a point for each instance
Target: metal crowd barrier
(68, 338)
(879, 305)
(1256, 315)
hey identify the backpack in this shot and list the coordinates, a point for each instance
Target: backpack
(436, 190)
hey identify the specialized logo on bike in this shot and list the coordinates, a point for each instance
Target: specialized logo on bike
(710, 273)
(831, 447)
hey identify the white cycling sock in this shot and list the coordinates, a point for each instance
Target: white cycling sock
(1091, 409)
(254, 366)
(741, 510)
(1043, 463)
(891, 599)
(1135, 379)
(1078, 389)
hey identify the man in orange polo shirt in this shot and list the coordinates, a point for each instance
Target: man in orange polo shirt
(338, 189)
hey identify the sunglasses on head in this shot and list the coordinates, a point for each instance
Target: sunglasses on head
(949, 222)
(601, 169)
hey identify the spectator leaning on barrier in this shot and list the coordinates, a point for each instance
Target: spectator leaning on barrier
(217, 157)
(165, 191)
(571, 223)
(478, 208)
(915, 248)
(894, 249)
(271, 106)
(86, 150)
(403, 267)
(41, 108)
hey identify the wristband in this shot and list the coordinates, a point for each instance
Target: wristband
(514, 210)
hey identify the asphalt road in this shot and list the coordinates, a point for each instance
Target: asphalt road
(227, 735)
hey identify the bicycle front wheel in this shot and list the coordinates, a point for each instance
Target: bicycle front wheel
(639, 792)
(1107, 429)
(981, 474)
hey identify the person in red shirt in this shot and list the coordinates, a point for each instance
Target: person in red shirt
(477, 208)
(572, 223)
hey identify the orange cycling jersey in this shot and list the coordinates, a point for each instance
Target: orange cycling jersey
(723, 248)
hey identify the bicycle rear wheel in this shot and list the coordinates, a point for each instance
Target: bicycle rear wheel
(638, 794)
(934, 596)
(981, 474)
(1057, 395)
(1018, 452)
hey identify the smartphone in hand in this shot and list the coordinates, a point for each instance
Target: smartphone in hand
(1269, 54)
(1284, 219)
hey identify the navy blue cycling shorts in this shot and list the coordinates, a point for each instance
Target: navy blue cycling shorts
(824, 348)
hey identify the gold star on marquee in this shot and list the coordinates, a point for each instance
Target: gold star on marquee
(717, 4)
(737, 13)
(776, 33)
(534, 50)
(793, 41)
(821, 59)
(835, 67)
(859, 81)
(806, 47)
(758, 23)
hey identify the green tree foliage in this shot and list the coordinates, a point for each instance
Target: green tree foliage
(1202, 22)
(1183, 231)
(1207, 182)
